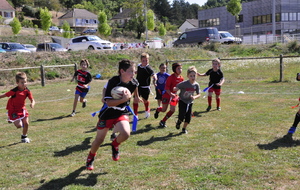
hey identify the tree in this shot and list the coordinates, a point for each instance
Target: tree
(162, 30)
(103, 27)
(234, 7)
(46, 19)
(66, 30)
(15, 26)
(150, 20)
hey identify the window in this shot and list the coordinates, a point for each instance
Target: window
(240, 18)
(292, 16)
(277, 17)
(268, 18)
(209, 22)
(284, 16)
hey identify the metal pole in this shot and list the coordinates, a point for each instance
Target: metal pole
(281, 68)
(273, 20)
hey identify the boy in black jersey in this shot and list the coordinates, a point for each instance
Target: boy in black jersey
(116, 112)
(83, 78)
(216, 80)
(144, 74)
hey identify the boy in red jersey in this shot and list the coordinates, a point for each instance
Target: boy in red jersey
(170, 96)
(17, 112)
(83, 78)
(116, 113)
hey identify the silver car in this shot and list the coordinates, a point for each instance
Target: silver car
(13, 47)
(89, 42)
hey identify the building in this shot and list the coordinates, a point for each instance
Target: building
(188, 24)
(122, 18)
(6, 11)
(79, 19)
(256, 18)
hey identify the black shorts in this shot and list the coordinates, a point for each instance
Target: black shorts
(144, 93)
(158, 94)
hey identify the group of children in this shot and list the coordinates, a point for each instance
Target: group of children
(114, 113)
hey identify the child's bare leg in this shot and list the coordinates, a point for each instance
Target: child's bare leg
(25, 122)
(123, 128)
(100, 136)
(75, 101)
(18, 123)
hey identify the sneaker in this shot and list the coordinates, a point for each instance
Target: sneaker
(219, 108)
(288, 137)
(84, 104)
(113, 136)
(178, 125)
(184, 131)
(162, 124)
(72, 114)
(115, 153)
(208, 108)
(156, 114)
(25, 140)
(89, 163)
(147, 114)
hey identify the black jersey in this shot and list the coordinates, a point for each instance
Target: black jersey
(214, 77)
(117, 111)
(144, 74)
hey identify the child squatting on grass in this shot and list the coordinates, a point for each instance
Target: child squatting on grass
(116, 113)
(186, 98)
(83, 78)
(216, 80)
(17, 112)
(292, 130)
(170, 96)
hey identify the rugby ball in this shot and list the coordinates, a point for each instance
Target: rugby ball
(118, 92)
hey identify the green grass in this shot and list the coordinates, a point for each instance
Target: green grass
(239, 147)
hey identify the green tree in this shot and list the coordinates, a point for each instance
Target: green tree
(46, 19)
(36, 29)
(150, 20)
(162, 30)
(67, 30)
(15, 26)
(234, 7)
(103, 27)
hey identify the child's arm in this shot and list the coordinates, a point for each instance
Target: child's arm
(136, 96)
(103, 95)
(114, 102)
(2, 96)
(195, 97)
(73, 78)
(32, 103)
(221, 82)
(154, 80)
(201, 74)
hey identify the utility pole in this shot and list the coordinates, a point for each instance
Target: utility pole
(146, 22)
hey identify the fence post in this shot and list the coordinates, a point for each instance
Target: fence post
(281, 68)
(75, 67)
(167, 66)
(42, 75)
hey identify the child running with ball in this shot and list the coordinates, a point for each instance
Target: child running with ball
(116, 113)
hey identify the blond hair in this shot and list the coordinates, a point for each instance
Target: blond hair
(191, 69)
(145, 55)
(21, 76)
(85, 61)
(217, 60)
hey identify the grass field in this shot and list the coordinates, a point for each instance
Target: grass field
(240, 147)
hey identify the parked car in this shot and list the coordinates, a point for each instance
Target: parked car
(89, 31)
(89, 42)
(30, 47)
(227, 38)
(198, 36)
(2, 50)
(13, 47)
(50, 47)
(53, 28)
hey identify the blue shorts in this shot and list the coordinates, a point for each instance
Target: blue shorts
(82, 94)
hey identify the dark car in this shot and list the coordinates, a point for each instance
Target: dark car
(50, 47)
(13, 47)
(89, 31)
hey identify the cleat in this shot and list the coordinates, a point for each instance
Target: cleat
(84, 104)
(113, 136)
(156, 114)
(115, 153)
(89, 163)
(73, 114)
(184, 131)
(25, 140)
(162, 124)
(147, 114)
(178, 125)
(208, 108)
(219, 108)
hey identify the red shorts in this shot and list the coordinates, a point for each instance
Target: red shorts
(14, 115)
(167, 99)
(111, 122)
(217, 91)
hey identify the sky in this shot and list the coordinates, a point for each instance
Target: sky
(200, 2)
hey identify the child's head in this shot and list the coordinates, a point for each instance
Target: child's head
(84, 63)
(216, 63)
(21, 79)
(126, 69)
(177, 68)
(162, 68)
(192, 74)
(145, 59)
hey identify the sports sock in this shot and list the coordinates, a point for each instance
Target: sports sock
(218, 101)
(168, 115)
(135, 108)
(92, 155)
(159, 109)
(115, 143)
(146, 103)
(209, 99)
(297, 119)
(292, 130)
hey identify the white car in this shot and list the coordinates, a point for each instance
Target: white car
(89, 42)
(30, 47)
(227, 38)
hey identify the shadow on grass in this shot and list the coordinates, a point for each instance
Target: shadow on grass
(94, 129)
(155, 139)
(69, 150)
(143, 130)
(54, 118)
(89, 179)
(281, 142)
(13, 144)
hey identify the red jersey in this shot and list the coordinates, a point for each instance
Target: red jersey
(17, 98)
(172, 81)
